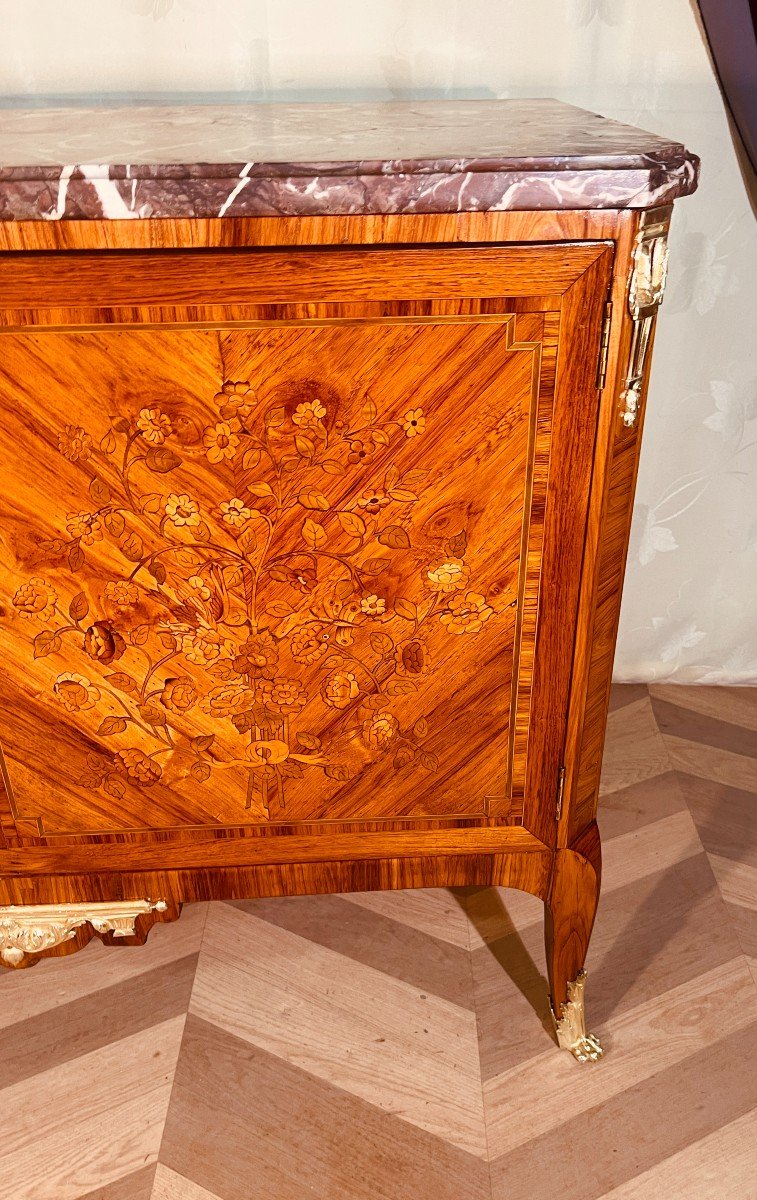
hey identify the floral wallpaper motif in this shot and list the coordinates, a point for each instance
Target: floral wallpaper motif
(221, 615)
(688, 612)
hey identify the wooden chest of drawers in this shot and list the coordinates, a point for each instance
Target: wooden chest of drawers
(316, 483)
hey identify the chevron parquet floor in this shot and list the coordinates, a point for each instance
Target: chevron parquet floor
(397, 1046)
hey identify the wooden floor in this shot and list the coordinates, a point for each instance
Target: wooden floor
(397, 1046)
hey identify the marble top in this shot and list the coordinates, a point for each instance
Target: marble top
(209, 160)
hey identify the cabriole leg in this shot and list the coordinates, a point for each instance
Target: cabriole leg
(569, 917)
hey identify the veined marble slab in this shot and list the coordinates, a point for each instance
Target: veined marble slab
(237, 160)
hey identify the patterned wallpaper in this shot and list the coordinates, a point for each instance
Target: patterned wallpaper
(689, 607)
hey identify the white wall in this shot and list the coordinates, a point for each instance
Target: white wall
(689, 608)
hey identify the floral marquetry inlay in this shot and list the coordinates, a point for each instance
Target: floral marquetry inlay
(263, 595)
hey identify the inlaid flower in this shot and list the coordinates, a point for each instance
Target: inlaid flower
(301, 578)
(76, 692)
(121, 592)
(413, 422)
(286, 695)
(235, 400)
(206, 645)
(179, 694)
(228, 700)
(373, 606)
(379, 730)
(258, 656)
(138, 766)
(466, 614)
(310, 642)
(373, 500)
(74, 443)
(309, 414)
(235, 512)
(411, 658)
(154, 425)
(182, 510)
(103, 643)
(449, 576)
(341, 689)
(85, 526)
(36, 599)
(199, 585)
(220, 441)
(361, 450)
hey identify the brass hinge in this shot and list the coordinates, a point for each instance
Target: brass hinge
(560, 790)
(604, 346)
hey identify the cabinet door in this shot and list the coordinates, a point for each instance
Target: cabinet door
(291, 538)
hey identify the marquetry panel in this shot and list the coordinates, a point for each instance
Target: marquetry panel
(271, 573)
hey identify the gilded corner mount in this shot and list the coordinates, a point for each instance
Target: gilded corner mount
(646, 288)
(31, 929)
(570, 1026)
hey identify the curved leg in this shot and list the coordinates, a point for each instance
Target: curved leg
(569, 913)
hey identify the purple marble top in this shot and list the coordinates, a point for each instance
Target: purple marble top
(316, 159)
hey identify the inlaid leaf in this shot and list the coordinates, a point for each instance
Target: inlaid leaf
(400, 687)
(395, 537)
(120, 424)
(278, 609)
(458, 544)
(46, 642)
(292, 768)
(308, 741)
(352, 524)
(332, 467)
(53, 547)
(220, 670)
(124, 683)
(311, 498)
(429, 761)
(203, 742)
(139, 634)
(250, 459)
(420, 728)
(79, 607)
(381, 643)
(108, 443)
(380, 437)
(369, 412)
(406, 608)
(157, 570)
(274, 417)
(151, 503)
(333, 662)
(247, 541)
(132, 547)
(392, 477)
(152, 714)
(403, 757)
(167, 640)
(115, 523)
(339, 772)
(305, 447)
(260, 488)
(199, 771)
(313, 533)
(99, 491)
(115, 787)
(162, 460)
(111, 725)
(374, 566)
(343, 588)
(402, 495)
(75, 556)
